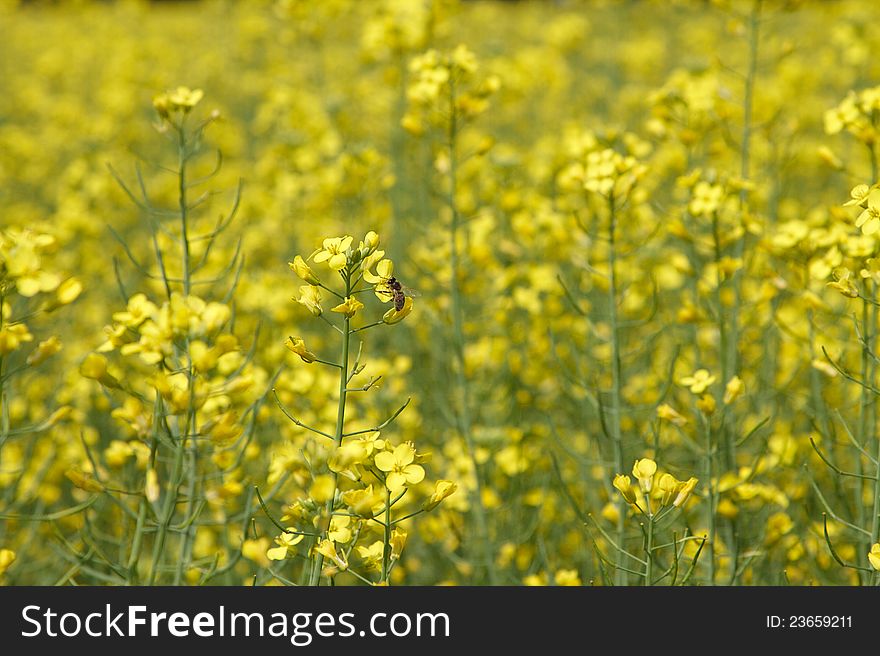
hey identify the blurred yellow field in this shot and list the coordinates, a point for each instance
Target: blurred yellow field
(425, 292)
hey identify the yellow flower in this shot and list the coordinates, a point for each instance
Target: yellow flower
(623, 484)
(858, 195)
(12, 336)
(706, 404)
(95, 367)
(399, 467)
(442, 489)
(255, 550)
(181, 99)
(873, 556)
(394, 315)
(138, 310)
(666, 411)
(285, 542)
(372, 555)
(535, 580)
(698, 382)
(567, 577)
(322, 488)
(44, 351)
(706, 199)
(298, 346)
(304, 271)
(151, 486)
(310, 297)
(685, 492)
(869, 219)
(334, 252)
(7, 557)
(68, 291)
(349, 307)
(398, 542)
(669, 487)
(644, 471)
(340, 528)
(842, 282)
(384, 272)
(327, 549)
(371, 240)
(733, 390)
(871, 270)
(364, 502)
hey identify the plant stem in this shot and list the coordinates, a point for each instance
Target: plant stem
(137, 542)
(386, 549)
(171, 494)
(731, 355)
(710, 488)
(616, 434)
(318, 563)
(462, 384)
(182, 157)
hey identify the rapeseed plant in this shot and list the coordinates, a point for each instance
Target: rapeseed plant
(655, 243)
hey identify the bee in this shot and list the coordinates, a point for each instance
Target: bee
(398, 292)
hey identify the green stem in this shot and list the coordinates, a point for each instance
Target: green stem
(137, 542)
(731, 355)
(386, 549)
(722, 335)
(182, 157)
(462, 383)
(710, 491)
(171, 495)
(616, 433)
(318, 563)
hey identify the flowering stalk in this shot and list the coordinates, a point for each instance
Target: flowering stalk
(318, 563)
(342, 510)
(655, 497)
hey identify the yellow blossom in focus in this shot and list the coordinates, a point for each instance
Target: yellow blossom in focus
(310, 297)
(298, 346)
(442, 490)
(644, 471)
(869, 219)
(285, 543)
(304, 271)
(399, 467)
(685, 492)
(398, 542)
(334, 252)
(623, 484)
(348, 307)
(327, 549)
(394, 315)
